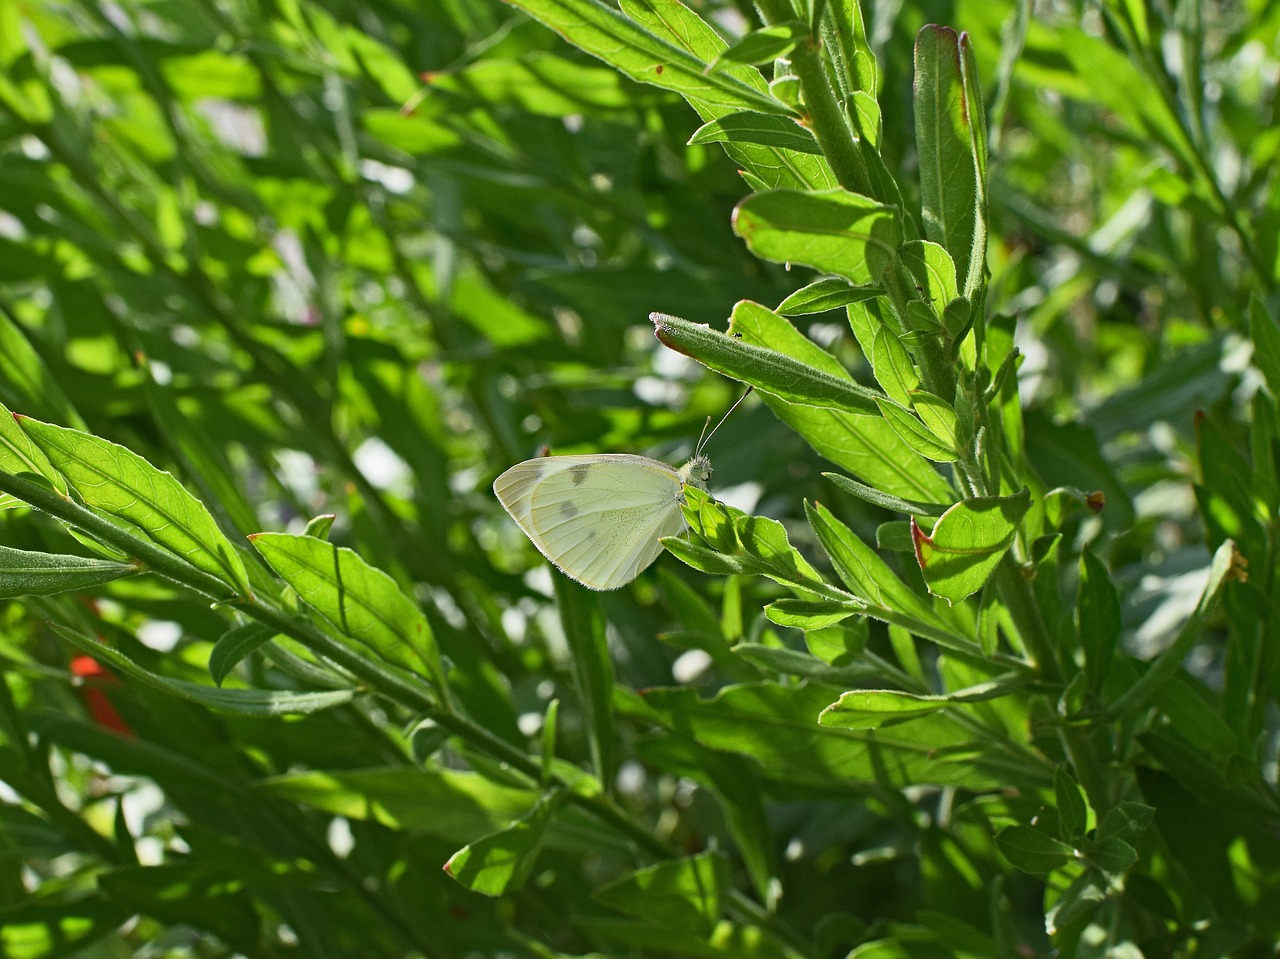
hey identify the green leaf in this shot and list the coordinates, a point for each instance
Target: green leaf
(24, 573)
(1222, 568)
(739, 543)
(863, 445)
(26, 380)
(951, 145)
(320, 526)
(681, 893)
(414, 134)
(809, 614)
(764, 165)
(793, 662)
(892, 365)
(1121, 86)
(1030, 850)
(967, 542)
(776, 726)
(1113, 855)
(768, 43)
(454, 805)
(234, 645)
(121, 483)
(1265, 333)
(869, 578)
(501, 862)
(934, 272)
(864, 111)
(1069, 454)
(246, 702)
(767, 370)
(360, 601)
(188, 894)
(735, 781)
(845, 36)
(53, 927)
(833, 230)
(937, 415)
(592, 668)
(1097, 617)
(19, 455)
(916, 434)
(872, 708)
(765, 129)
(829, 293)
(207, 463)
(543, 84)
(884, 500)
(1079, 901)
(1127, 821)
(645, 56)
(1073, 812)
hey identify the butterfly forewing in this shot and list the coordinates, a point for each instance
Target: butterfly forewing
(598, 518)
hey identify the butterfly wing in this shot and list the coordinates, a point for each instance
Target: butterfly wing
(598, 518)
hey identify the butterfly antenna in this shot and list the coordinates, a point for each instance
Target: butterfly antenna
(702, 437)
(707, 436)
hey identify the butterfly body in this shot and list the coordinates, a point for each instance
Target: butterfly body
(600, 517)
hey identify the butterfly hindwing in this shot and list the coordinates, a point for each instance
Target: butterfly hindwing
(598, 518)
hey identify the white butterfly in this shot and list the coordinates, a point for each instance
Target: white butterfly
(599, 517)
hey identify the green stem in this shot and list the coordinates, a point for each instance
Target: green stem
(1015, 593)
(827, 118)
(1018, 598)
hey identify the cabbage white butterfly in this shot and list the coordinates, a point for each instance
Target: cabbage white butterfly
(599, 517)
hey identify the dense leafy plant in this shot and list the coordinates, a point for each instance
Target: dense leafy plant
(987, 660)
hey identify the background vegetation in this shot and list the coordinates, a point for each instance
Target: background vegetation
(357, 258)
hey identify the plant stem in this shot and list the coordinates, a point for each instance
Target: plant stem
(826, 117)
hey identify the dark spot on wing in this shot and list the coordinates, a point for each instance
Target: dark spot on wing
(579, 473)
(568, 510)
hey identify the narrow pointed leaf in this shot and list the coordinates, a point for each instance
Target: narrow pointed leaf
(950, 142)
(121, 483)
(592, 668)
(1032, 851)
(360, 601)
(871, 708)
(767, 43)
(501, 862)
(1097, 617)
(896, 503)
(26, 573)
(829, 293)
(262, 703)
(765, 369)
(19, 454)
(916, 434)
(765, 129)
(233, 646)
(643, 55)
(869, 578)
(865, 446)
(683, 893)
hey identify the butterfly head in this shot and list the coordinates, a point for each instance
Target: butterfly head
(696, 472)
